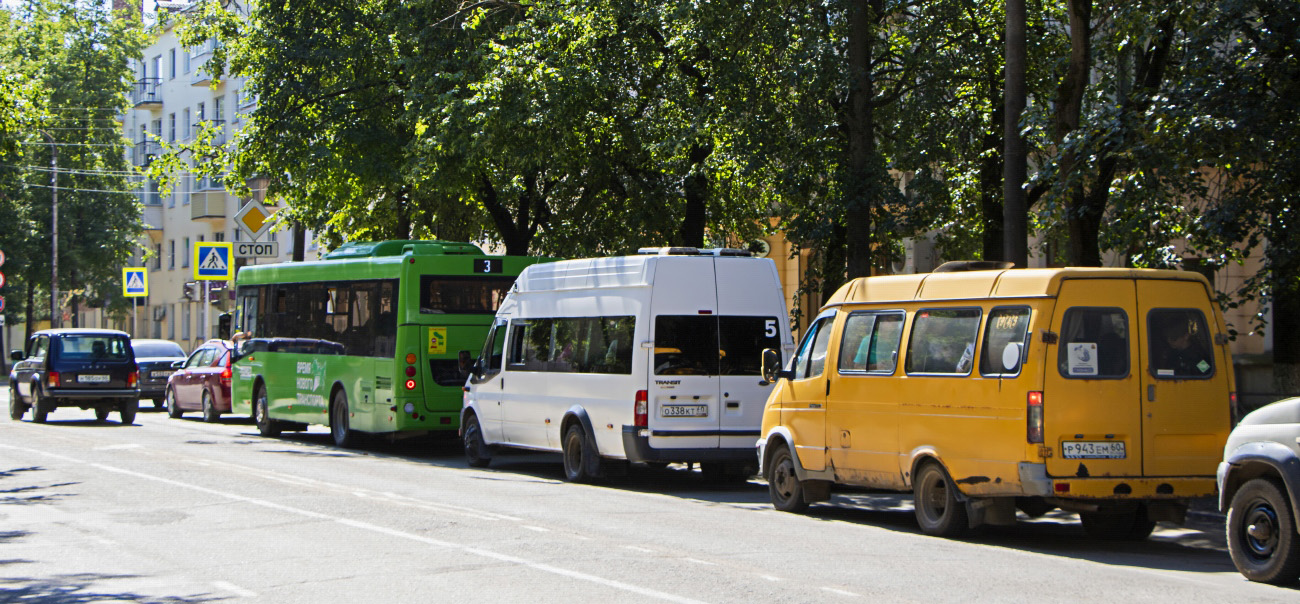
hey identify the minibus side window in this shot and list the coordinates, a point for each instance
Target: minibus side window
(943, 341)
(870, 343)
(1094, 343)
(493, 350)
(530, 345)
(1179, 341)
(811, 359)
(1007, 327)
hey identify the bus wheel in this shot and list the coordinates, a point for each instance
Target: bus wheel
(937, 509)
(262, 415)
(343, 436)
(578, 456)
(1129, 525)
(476, 450)
(783, 483)
(1261, 533)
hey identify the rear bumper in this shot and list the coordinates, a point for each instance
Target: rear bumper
(152, 391)
(82, 394)
(637, 448)
(1126, 488)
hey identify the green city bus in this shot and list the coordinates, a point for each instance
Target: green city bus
(366, 339)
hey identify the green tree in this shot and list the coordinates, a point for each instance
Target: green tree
(74, 56)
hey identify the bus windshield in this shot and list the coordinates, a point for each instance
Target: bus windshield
(440, 294)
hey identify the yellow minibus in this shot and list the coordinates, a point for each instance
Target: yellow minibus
(1105, 392)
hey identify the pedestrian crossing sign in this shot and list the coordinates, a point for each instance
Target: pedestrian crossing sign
(213, 261)
(135, 282)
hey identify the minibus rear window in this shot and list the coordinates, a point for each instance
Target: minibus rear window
(713, 345)
(1179, 341)
(1094, 343)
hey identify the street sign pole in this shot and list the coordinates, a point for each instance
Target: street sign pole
(207, 308)
(133, 322)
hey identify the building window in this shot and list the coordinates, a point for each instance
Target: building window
(185, 123)
(238, 236)
(171, 322)
(185, 56)
(157, 67)
(201, 111)
(219, 108)
(185, 260)
(172, 64)
(157, 256)
(171, 128)
(171, 254)
(219, 236)
(185, 321)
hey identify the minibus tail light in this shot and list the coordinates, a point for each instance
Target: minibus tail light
(641, 411)
(52, 379)
(1034, 417)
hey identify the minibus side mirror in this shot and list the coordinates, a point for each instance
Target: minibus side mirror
(772, 370)
(223, 325)
(467, 366)
(16, 355)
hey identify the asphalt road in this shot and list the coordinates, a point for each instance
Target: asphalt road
(183, 511)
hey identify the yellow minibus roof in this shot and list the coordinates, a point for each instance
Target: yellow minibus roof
(977, 285)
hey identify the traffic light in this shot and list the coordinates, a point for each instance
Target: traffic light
(192, 291)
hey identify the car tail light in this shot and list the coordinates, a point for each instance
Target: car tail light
(1232, 402)
(641, 410)
(132, 378)
(52, 379)
(1034, 418)
(225, 376)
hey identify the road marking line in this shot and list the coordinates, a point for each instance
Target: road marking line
(537, 528)
(638, 549)
(234, 589)
(698, 561)
(841, 592)
(771, 578)
(119, 447)
(374, 528)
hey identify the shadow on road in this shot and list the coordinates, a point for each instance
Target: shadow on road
(73, 589)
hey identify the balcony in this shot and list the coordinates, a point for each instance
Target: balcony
(147, 94)
(144, 152)
(216, 127)
(208, 205)
(200, 75)
(199, 55)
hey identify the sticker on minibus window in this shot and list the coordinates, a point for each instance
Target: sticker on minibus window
(1083, 358)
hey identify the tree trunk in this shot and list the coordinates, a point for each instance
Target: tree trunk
(862, 138)
(28, 315)
(1284, 273)
(299, 242)
(992, 192)
(696, 189)
(1015, 209)
(76, 300)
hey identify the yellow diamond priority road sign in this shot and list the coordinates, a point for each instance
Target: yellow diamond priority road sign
(253, 218)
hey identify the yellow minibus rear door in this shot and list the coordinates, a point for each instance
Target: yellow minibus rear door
(1092, 413)
(1185, 391)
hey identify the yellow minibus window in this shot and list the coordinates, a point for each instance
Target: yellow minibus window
(943, 341)
(1094, 343)
(1005, 341)
(870, 343)
(811, 358)
(1179, 341)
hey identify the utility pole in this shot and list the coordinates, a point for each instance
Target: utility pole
(54, 228)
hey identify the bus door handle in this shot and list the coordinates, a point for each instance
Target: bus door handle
(1151, 393)
(814, 405)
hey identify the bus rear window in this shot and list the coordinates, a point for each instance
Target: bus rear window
(713, 345)
(462, 295)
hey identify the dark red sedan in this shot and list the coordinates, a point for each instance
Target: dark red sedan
(202, 382)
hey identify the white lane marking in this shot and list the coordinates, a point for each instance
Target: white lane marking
(119, 447)
(841, 592)
(234, 589)
(374, 528)
(537, 528)
(698, 561)
(771, 578)
(638, 549)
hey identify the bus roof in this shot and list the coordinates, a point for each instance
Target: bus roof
(979, 284)
(373, 249)
(358, 260)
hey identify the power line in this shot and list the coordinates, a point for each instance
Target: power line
(78, 171)
(39, 144)
(74, 190)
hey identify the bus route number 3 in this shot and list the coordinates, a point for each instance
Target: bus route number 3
(487, 265)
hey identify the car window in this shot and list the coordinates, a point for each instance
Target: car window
(92, 347)
(38, 347)
(943, 341)
(196, 358)
(870, 342)
(1094, 343)
(1006, 338)
(1179, 340)
(157, 349)
(222, 357)
(811, 358)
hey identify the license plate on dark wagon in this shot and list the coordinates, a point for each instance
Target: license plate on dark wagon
(160, 374)
(1093, 449)
(684, 411)
(92, 379)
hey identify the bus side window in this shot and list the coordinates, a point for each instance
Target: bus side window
(1006, 327)
(1094, 343)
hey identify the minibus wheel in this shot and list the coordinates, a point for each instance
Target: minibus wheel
(577, 455)
(783, 483)
(938, 510)
(1262, 533)
(476, 451)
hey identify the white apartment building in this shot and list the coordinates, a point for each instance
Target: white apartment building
(173, 99)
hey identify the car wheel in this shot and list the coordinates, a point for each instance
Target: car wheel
(1131, 525)
(476, 450)
(126, 413)
(101, 412)
(174, 411)
(210, 413)
(783, 484)
(937, 509)
(40, 406)
(344, 437)
(157, 404)
(579, 456)
(1262, 533)
(262, 415)
(16, 406)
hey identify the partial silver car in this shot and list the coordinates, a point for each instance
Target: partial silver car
(1259, 486)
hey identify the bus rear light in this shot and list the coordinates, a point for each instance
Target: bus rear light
(1232, 402)
(52, 379)
(410, 371)
(410, 384)
(641, 410)
(410, 358)
(409, 407)
(1062, 487)
(132, 378)
(1034, 418)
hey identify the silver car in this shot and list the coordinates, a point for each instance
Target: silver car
(1259, 483)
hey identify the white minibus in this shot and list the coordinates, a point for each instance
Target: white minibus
(654, 358)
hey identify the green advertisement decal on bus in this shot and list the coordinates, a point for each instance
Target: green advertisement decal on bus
(366, 339)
